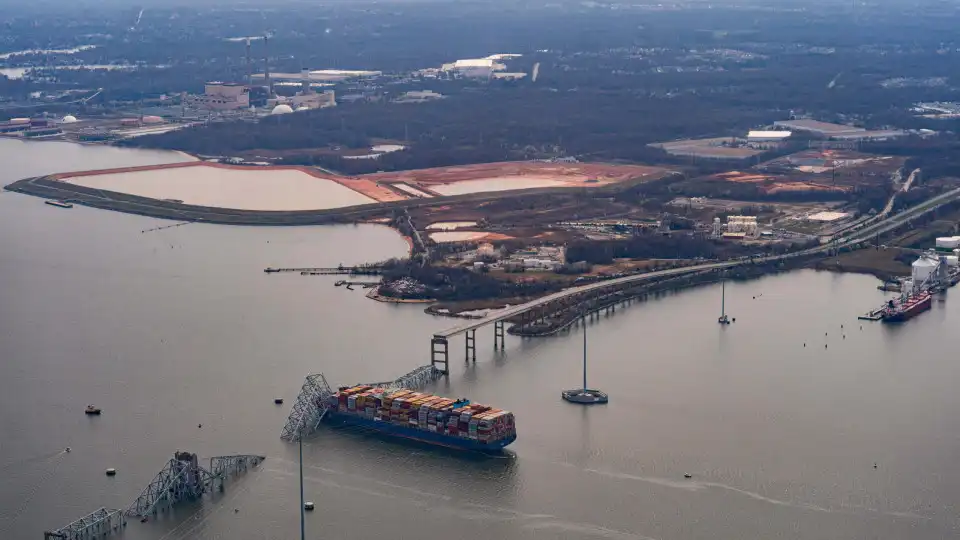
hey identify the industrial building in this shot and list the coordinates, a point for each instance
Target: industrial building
(322, 76)
(745, 225)
(313, 100)
(473, 68)
(418, 96)
(838, 132)
(768, 136)
(305, 99)
(223, 96)
(479, 68)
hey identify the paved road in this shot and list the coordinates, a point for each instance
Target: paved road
(863, 234)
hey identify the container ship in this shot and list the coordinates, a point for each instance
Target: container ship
(453, 423)
(913, 305)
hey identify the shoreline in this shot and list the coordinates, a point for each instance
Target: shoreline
(50, 187)
(374, 294)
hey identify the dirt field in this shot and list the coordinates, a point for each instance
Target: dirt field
(836, 171)
(386, 187)
(568, 174)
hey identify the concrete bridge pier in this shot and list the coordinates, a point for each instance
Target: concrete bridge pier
(499, 336)
(438, 355)
(471, 342)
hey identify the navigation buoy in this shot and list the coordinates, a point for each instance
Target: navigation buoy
(111, 472)
(199, 426)
(824, 345)
(308, 505)
(874, 465)
(804, 344)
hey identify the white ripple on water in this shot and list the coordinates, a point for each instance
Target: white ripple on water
(368, 479)
(467, 510)
(694, 485)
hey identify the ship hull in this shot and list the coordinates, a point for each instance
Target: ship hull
(909, 313)
(419, 435)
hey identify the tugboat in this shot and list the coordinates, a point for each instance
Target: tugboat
(585, 395)
(91, 410)
(723, 319)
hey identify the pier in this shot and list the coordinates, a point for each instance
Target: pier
(351, 284)
(329, 271)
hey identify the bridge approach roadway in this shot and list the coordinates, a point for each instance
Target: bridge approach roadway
(573, 295)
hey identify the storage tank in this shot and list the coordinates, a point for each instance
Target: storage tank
(922, 268)
(948, 242)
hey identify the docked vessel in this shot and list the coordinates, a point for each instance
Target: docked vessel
(59, 204)
(453, 423)
(910, 307)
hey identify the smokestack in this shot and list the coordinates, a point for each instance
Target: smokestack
(304, 81)
(266, 68)
(249, 66)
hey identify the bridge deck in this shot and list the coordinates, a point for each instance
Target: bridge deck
(513, 311)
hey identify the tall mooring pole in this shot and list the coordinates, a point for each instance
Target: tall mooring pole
(303, 527)
(584, 355)
(723, 298)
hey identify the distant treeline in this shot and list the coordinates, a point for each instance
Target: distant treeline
(455, 284)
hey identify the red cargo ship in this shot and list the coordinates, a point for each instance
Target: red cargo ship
(913, 305)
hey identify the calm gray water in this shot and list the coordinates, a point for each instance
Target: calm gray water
(169, 329)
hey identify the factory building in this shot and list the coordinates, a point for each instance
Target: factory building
(746, 225)
(223, 96)
(313, 100)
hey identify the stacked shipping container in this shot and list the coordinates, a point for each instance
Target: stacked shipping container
(426, 412)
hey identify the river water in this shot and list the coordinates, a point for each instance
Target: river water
(184, 342)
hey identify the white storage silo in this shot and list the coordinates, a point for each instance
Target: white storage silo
(921, 269)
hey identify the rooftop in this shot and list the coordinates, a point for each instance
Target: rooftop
(768, 134)
(816, 125)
